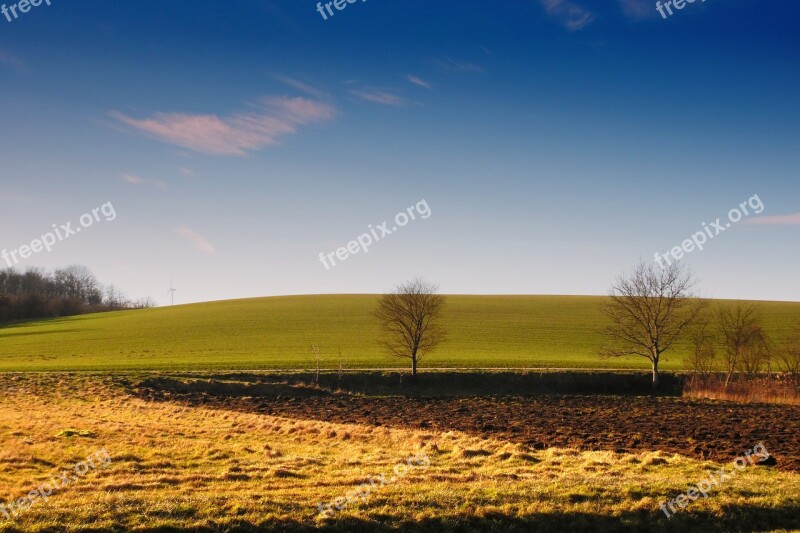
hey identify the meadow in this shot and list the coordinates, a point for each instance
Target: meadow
(210, 467)
(277, 332)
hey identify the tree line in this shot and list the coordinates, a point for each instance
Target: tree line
(732, 343)
(74, 290)
(649, 312)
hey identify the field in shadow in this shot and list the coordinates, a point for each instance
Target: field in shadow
(621, 423)
(426, 384)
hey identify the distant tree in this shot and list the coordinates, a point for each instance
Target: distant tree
(702, 360)
(67, 291)
(757, 354)
(77, 282)
(746, 346)
(789, 356)
(410, 318)
(143, 303)
(114, 299)
(649, 311)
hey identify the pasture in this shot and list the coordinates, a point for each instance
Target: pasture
(276, 333)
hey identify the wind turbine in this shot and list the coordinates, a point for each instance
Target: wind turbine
(172, 290)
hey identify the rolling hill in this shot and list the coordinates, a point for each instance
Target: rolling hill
(276, 333)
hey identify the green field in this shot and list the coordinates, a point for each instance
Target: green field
(275, 333)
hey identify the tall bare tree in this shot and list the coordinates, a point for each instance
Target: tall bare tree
(411, 320)
(649, 311)
(790, 356)
(702, 360)
(744, 341)
(757, 355)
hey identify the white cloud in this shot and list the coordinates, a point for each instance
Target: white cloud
(199, 242)
(382, 97)
(778, 220)
(235, 135)
(302, 87)
(137, 180)
(418, 81)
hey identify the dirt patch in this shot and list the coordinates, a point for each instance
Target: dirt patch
(719, 431)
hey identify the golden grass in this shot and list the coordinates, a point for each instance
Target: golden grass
(185, 467)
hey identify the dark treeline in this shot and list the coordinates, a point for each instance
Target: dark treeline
(73, 290)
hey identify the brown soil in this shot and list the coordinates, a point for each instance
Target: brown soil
(720, 431)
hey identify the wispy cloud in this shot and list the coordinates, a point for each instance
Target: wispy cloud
(638, 9)
(10, 59)
(449, 64)
(778, 220)
(573, 16)
(270, 119)
(382, 97)
(199, 242)
(418, 81)
(137, 180)
(302, 87)
(185, 171)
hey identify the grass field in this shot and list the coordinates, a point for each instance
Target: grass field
(275, 333)
(174, 467)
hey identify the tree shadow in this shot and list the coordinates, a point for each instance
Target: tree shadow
(742, 518)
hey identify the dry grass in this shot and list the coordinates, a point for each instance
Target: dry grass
(217, 470)
(745, 391)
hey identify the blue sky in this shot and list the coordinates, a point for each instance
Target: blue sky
(556, 142)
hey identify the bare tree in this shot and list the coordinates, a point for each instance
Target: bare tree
(702, 361)
(410, 317)
(114, 298)
(68, 291)
(79, 283)
(144, 303)
(757, 353)
(650, 310)
(790, 357)
(743, 339)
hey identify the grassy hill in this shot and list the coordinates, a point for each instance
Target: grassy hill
(275, 333)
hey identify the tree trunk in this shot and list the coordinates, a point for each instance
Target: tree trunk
(655, 376)
(414, 367)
